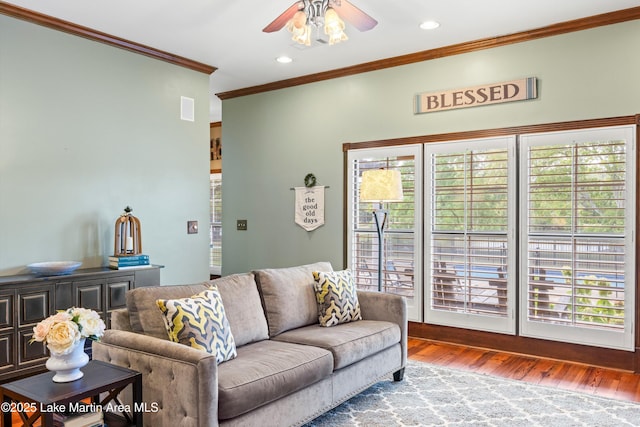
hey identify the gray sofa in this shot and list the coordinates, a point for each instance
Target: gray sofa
(288, 368)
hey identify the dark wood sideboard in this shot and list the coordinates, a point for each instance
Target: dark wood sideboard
(26, 299)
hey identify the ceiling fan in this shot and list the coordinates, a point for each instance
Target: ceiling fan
(304, 16)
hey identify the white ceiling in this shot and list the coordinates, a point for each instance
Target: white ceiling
(227, 34)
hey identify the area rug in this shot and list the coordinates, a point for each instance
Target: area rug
(439, 396)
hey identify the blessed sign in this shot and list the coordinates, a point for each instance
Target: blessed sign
(495, 93)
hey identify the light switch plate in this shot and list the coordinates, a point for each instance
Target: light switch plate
(192, 227)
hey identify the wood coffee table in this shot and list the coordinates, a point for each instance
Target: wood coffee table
(38, 397)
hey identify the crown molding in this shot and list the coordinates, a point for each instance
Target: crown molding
(98, 36)
(456, 49)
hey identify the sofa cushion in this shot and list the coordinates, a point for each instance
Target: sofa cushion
(336, 296)
(265, 371)
(243, 307)
(200, 322)
(143, 312)
(348, 342)
(288, 296)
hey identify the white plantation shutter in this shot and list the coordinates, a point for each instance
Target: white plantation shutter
(579, 201)
(544, 223)
(401, 267)
(470, 205)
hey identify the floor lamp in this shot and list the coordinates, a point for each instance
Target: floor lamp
(380, 185)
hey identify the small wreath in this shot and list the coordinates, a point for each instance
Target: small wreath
(310, 180)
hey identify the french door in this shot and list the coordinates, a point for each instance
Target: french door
(402, 245)
(530, 235)
(470, 241)
(577, 252)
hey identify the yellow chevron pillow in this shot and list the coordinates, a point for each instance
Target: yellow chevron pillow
(200, 322)
(337, 298)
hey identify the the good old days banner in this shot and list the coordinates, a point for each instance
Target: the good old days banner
(309, 207)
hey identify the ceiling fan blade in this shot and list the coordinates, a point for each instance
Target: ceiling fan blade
(282, 20)
(355, 16)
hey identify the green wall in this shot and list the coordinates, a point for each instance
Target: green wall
(87, 129)
(272, 140)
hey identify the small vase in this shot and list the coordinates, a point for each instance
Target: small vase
(67, 366)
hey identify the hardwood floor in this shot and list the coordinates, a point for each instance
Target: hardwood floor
(546, 372)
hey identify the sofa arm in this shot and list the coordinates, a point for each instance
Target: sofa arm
(179, 383)
(389, 307)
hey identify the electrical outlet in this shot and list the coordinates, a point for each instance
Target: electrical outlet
(241, 224)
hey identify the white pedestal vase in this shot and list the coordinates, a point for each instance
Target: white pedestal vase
(67, 366)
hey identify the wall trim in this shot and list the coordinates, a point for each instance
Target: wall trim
(456, 49)
(496, 132)
(98, 36)
(594, 356)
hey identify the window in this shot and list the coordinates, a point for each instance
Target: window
(401, 265)
(215, 224)
(579, 209)
(530, 235)
(469, 204)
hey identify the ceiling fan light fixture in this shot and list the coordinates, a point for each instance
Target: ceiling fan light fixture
(298, 21)
(302, 36)
(305, 16)
(299, 29)
(334, 27)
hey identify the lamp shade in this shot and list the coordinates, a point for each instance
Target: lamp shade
(381, 185)
(301, 32)
(334, 27)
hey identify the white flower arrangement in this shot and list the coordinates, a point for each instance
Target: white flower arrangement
(63, 330)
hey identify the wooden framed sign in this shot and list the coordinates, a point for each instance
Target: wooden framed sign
(494, 93)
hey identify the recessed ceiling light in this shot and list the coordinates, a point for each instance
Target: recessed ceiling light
(429, 25)
(284, 59)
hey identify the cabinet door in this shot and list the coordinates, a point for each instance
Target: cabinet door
(34, 305)
(64, 294)
(7, 312)
(116, 291)
(89, 294)
(7, 352)
(7, 331)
